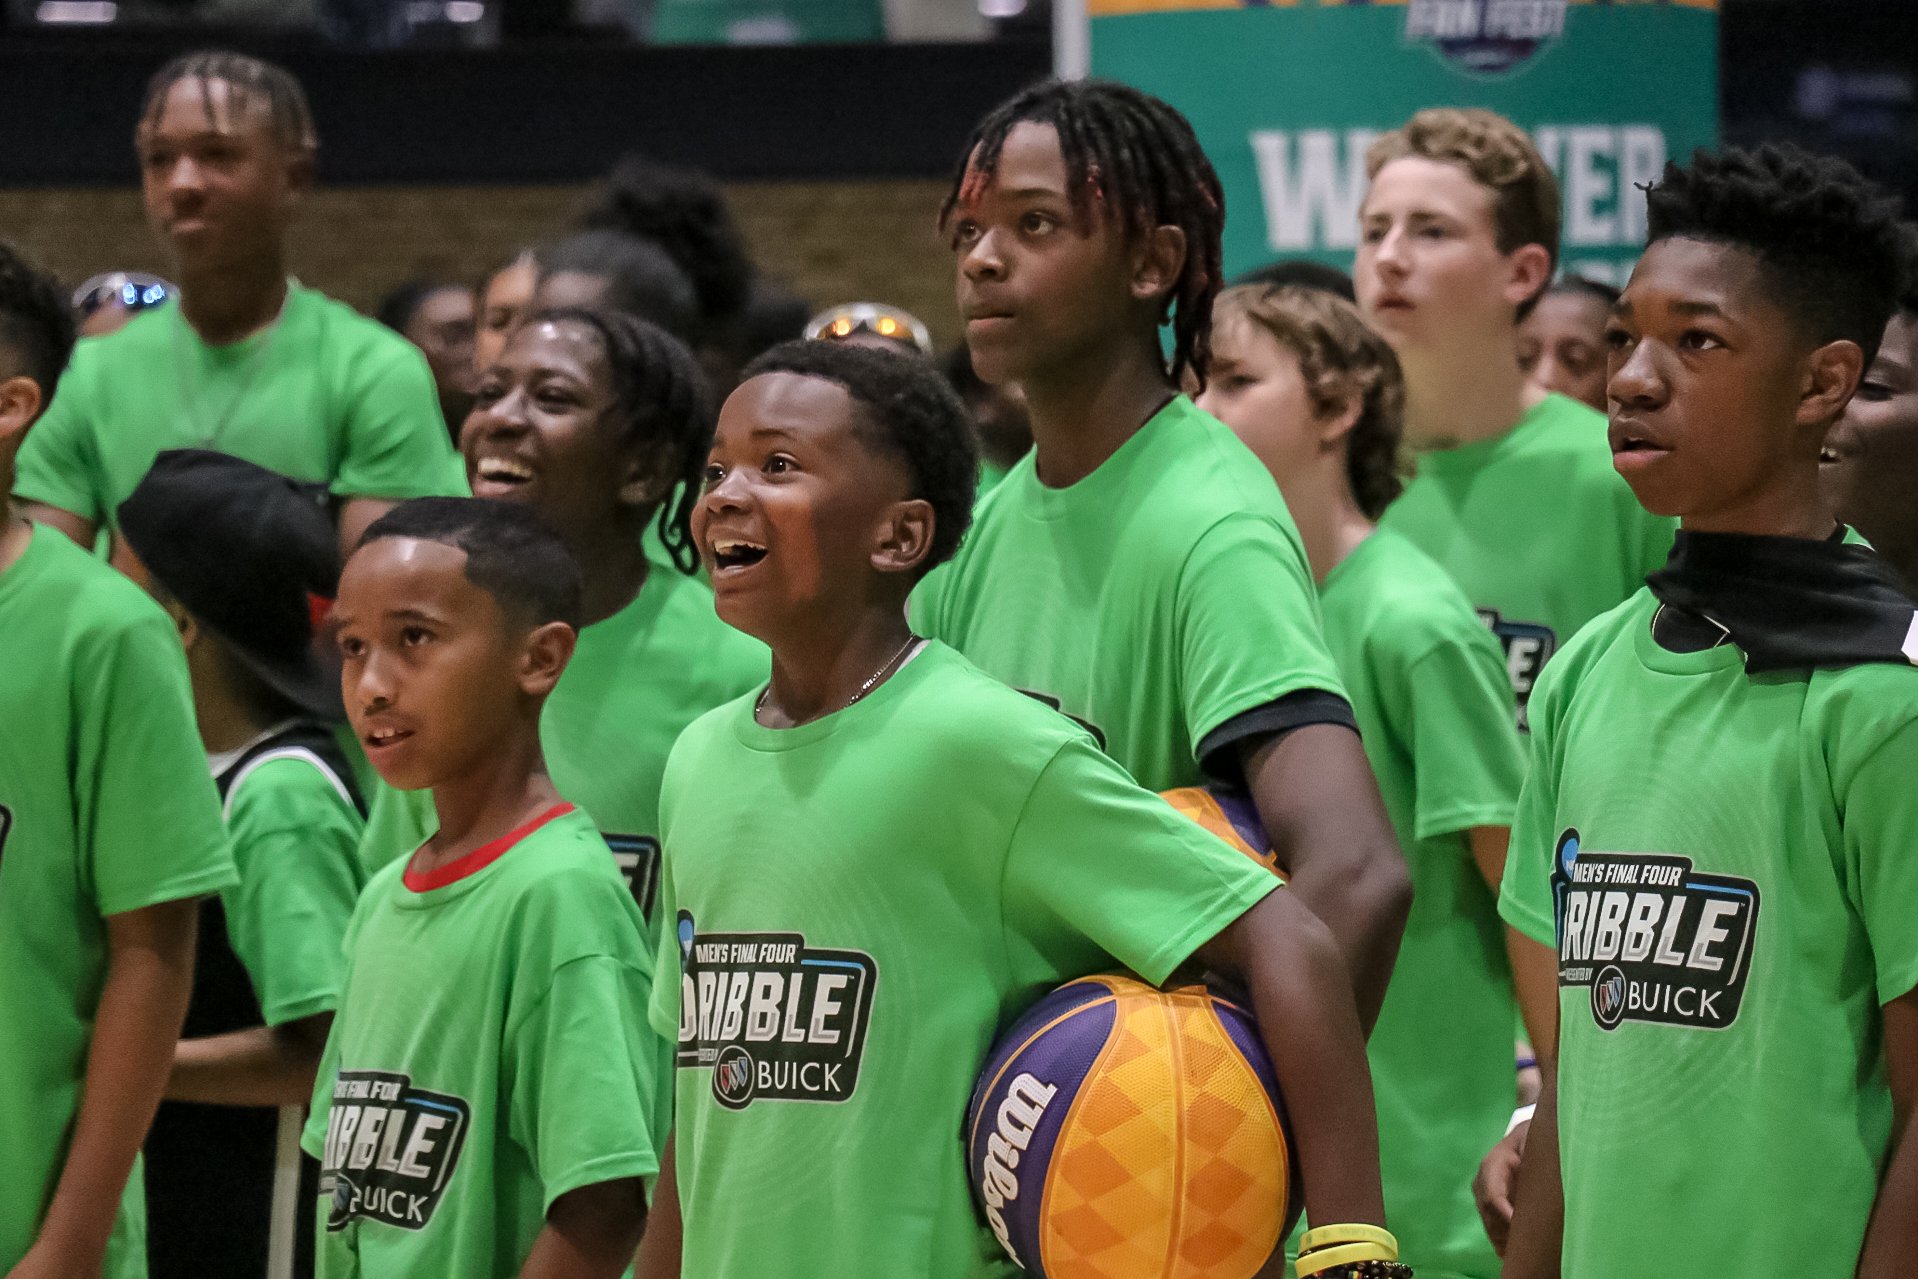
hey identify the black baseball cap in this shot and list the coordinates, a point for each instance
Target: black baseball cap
(251, 554)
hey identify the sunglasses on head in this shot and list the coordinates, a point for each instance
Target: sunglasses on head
(890, 322)
(134, 290)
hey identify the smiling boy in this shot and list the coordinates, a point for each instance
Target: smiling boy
(946, 848)
(1716, 831)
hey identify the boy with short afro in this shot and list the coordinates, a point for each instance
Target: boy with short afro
(109, 835)
(1716, 832)
(935, 850)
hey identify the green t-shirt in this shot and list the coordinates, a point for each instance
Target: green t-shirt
(1428, 687)
(1537, 527)
(106, 806)
(295, 836)
(636, 680)
(485, 1059)
(325, 395)
(852, 933)
(1153, 601)
(1723, 863)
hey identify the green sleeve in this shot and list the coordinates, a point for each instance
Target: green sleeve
(1525, 894)
(149, 817)
(1248, 624)
(1466, 760)
(1879, 807)
(1094, 856)
(58, 463)
(397, 823)
(581, 1078)
(396, 441)
(295, 839)
(663, 1008)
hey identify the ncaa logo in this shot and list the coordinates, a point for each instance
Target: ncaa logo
(1608, 997)
(733, 1077)
(1485, 37)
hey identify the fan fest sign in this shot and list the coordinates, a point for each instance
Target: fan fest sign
(1286, 96)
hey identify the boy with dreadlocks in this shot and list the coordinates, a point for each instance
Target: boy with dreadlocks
(247, 361)
(1138, 569)
(1716, 832)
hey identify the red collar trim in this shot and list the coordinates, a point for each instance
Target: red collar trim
(480, 858)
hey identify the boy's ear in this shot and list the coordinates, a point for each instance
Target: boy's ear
(1157, 261)
(544, 656)
(1333, 427)
(905, 538)
(642, 485)
(1831, 376)
(183, 622)
(20, 403)
(1528, 271)
(299, 173)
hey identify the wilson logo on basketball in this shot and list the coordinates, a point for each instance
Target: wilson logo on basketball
(1654, 939)
(390, 1149)
(773, 1019)
(1019, 1114)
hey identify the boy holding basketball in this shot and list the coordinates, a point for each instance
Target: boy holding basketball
(109, 836)
(919, 854)
(1138, 570)
(484, 1108)
(1716, 832)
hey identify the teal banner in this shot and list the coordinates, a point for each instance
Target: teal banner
(1286, 98)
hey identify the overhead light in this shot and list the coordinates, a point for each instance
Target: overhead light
(465, 11)
(92, 13)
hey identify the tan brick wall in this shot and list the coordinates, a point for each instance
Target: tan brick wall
(832, 242)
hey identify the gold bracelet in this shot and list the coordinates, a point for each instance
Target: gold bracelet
(1340, 1255)
(1354, 1232)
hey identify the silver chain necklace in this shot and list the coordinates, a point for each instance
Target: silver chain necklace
(182, 362)
(912, 641)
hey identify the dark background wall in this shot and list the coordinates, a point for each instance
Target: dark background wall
(447, 162)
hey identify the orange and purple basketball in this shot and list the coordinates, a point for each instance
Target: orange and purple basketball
(1231, 816)
(1124, 1132)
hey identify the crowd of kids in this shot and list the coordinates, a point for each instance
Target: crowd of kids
(403, 724)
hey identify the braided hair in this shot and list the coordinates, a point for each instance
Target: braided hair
(661, 409)
(1141, 158)
(244, 76)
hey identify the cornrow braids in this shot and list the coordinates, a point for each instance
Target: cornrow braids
(244, 76)
(1137, 156)
(661, 408)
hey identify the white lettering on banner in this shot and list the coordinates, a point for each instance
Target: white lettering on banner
(1312, 203)
(1312, 181)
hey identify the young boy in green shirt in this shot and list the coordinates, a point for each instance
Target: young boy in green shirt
(1137, 570)
(599, 423)
(109, 835)
(238, 556)
(247, 361)
(484, 1108)
(1716, 830)
(1514, 493)
(1318, 396)
(884, 856)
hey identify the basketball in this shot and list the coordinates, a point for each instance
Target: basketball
(1230, 815)
(1123, 1132)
